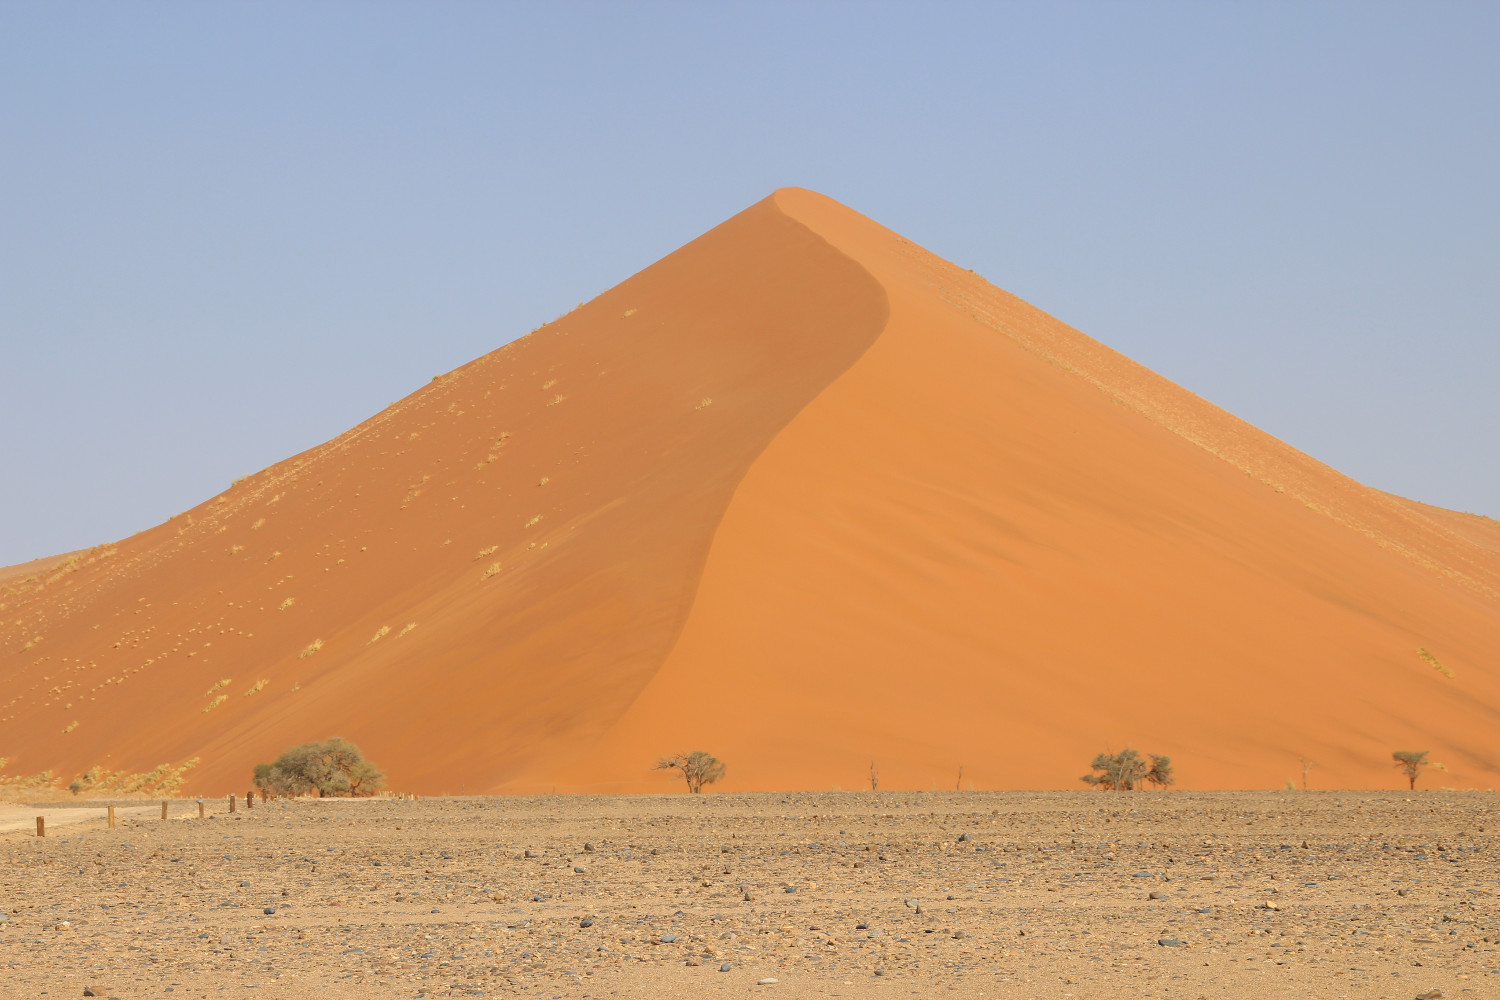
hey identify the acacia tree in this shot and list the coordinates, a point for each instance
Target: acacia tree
(698, 768)
(1160, 774)
(333, 767)
(1412, 763)
(1127, 771)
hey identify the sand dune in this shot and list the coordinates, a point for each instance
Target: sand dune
(806, 496)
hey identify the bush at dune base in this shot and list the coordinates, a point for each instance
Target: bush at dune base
(333, 767)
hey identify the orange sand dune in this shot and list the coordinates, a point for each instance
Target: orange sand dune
(800, 494)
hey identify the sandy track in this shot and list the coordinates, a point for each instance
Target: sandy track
(1300, 894)
(22, 819)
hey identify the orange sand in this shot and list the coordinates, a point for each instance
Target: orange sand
(813, 498)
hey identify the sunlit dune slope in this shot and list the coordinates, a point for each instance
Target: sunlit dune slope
(494, 566)
(803, 495)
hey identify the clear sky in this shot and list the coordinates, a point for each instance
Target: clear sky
(230, 231)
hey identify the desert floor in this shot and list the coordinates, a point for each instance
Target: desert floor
(839, 894)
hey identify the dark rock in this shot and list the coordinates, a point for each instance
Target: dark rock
(1170, 943)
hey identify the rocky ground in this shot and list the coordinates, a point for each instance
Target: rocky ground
(841, 894)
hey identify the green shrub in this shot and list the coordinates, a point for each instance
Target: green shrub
(333, 767)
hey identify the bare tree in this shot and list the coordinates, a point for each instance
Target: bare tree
(958, 785)
(698, 768)
(1411, 763)
(874, 777)
(1307, 765)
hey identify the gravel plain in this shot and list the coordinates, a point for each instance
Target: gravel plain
(838, 894)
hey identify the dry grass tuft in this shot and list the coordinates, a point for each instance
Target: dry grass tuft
(491, 570)
(70, 727)
(533, 522)
(257, 687)
(235, 550)
(556, 399)
(260, 523)
(704, 404)
(1433, 662)
(310, 649)
(221, 699)
(221, 685)
(409, 627)
(380, 633)
(488, 551)
(287, 603)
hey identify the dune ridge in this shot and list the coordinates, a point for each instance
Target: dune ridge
(807, 496)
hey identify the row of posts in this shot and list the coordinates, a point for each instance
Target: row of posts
(41, 821)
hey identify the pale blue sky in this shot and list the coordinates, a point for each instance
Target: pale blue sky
(229, 232)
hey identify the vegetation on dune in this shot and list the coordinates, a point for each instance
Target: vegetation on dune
(1128, 771)
(333, 767)
(164, 779)
(698, 768)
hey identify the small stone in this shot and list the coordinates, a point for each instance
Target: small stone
(879, 972)
(88, 991)
(912, 904)
(1431, 995)
(577, 870)
(269, 911)
(691, 963)
(959, 935)
(531, 854)
(668, 938)
(1157, 895)
(586, 922)
(790, 888)
(1170, 943)
(1270, 904)
(724, 967)
(768, 981)
(588, 847)
(964, 838)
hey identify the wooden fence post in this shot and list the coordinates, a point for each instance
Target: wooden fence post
(200, 808)
(41, 826)
(231, 802)
(163, 810)
(111, 816)
(250, 799)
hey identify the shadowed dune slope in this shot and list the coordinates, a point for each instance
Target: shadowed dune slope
(808, 497)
